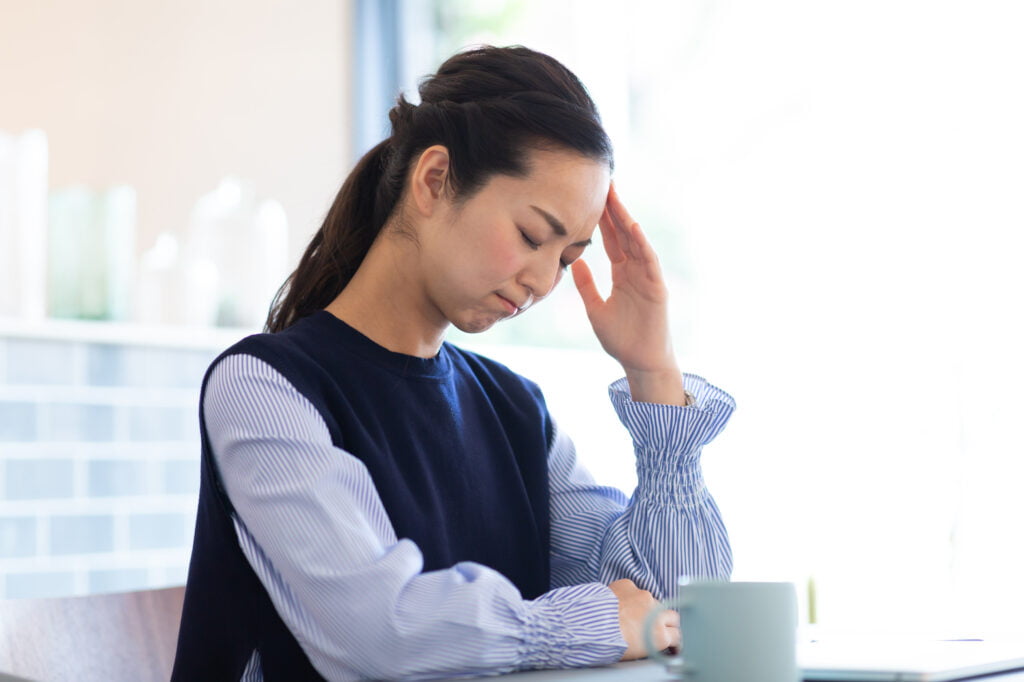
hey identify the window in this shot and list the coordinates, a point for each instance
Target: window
(834, 190)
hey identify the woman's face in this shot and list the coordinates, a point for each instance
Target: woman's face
(506, 247)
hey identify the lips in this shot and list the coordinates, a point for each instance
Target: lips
(511, 307)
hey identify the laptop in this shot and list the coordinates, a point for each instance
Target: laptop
(878, 658)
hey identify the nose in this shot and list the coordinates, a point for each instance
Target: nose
(540, 276)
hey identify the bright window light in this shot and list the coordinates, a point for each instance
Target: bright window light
(835, 190)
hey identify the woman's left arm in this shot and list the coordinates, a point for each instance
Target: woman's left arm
(671, 526)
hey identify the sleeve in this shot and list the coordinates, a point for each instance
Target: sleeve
(671, 526)
(311, 524)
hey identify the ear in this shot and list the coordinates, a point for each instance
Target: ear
(428, 179)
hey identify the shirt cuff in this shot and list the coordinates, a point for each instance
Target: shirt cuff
(572, 627)
(673, 429)
(668, 439)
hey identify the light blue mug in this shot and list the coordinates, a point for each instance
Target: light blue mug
(732, 632)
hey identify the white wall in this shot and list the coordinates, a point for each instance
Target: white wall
(172, 96)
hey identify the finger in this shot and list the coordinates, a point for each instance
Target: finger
(645, 253)
(609, 237)
(665, 637)
(675, 637)
(583, 278)
(668, 626)
(618, 209)
(622, 221)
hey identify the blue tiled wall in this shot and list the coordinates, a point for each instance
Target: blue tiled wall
(17, 537)
(99, 464)
(38, 479)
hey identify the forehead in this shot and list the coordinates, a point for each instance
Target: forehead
(566, 185)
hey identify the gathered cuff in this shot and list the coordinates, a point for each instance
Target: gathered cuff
(671, 485)
(668, 432)
(570, 627)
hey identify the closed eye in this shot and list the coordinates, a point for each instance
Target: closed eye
(564, 265)
(526, 238)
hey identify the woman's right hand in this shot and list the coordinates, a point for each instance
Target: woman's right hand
(634, 607)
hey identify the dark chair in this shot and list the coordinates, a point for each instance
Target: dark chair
(119, 637)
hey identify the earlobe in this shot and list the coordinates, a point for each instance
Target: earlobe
(428, 179)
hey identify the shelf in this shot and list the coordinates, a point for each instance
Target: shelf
(121, 333)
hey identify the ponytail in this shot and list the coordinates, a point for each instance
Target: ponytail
(340, 245)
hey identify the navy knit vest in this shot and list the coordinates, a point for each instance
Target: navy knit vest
(457, 448)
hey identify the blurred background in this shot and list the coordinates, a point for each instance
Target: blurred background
(836, 191)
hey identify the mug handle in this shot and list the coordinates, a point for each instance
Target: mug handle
(674, 664)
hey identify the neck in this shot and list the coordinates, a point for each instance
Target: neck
(385, 301)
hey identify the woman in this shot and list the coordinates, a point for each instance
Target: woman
(377, 503)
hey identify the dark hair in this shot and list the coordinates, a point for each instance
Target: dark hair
(489, 106)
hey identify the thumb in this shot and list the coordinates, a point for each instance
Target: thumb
(583, 278)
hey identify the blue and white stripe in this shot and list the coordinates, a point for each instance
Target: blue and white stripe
(312, 525)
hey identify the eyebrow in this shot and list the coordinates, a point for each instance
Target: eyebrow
(557, 226)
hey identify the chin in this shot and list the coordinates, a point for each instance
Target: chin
(475, 322)
(473, 326)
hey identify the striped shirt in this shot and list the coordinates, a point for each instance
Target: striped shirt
(337, 594)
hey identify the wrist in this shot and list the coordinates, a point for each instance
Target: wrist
(660, 386)
(573, 626)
